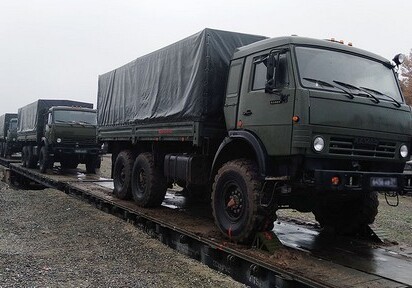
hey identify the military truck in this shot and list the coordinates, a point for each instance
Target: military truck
(8, 135)
(264, 124)
(58, 131)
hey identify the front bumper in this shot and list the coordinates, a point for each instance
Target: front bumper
(76, 151)
(352, 181)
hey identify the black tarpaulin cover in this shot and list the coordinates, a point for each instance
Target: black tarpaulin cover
(184, 81)
(30, 115)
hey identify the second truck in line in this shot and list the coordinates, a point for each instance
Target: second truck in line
(58, 131)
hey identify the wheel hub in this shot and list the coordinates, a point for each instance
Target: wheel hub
(141, 180)
(234, 202)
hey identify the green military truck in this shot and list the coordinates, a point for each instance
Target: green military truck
(58, 131)
(263, 124)
(8, 135)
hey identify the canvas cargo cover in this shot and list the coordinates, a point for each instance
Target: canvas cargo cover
(30, 115)
(4, 123)
(184, 81)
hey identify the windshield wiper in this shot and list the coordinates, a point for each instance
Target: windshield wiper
(366, 93)
(396, 103)
(326, 84)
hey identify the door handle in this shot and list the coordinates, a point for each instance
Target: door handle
(247, 113)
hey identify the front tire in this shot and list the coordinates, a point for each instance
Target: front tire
(69, 163)
(235, 201)
(31, 160)
(91, 165)
(24, 155)
(148, 183)
(350, 217)
(6, 152)
(44, 160)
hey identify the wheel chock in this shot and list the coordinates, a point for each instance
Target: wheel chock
(267, 241)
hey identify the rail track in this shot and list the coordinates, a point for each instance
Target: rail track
(302, 258)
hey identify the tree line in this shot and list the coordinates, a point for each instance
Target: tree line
(406, 78)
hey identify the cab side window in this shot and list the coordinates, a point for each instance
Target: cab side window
(260, 71)
(259, 74)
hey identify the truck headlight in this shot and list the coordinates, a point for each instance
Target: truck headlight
(318, 144)
(58, 140)
(404, 151)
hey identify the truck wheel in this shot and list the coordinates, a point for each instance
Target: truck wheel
(122, 171)
(91, 164)
(98, 162)
(235, 200)
(350, 217)
(24, 160)
(69, 163)
(44, 161)
(148, 183)
(31, 159)
(6, 152)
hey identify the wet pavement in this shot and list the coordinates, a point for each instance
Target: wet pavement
(347, 252)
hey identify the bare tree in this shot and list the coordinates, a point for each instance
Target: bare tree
(406, 78)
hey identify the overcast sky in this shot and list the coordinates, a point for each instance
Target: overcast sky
(57, 48)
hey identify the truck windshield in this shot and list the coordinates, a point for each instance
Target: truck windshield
(13, 124)
(73, 116)
(333, 66)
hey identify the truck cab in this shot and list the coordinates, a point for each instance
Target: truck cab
(12, 130)
(70, 138)
(8, 135)
(324, 123)
(11, 146)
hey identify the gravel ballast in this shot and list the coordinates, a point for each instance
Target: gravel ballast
(50, 239)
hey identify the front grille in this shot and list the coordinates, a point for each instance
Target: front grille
(81, 142)
(365, 147)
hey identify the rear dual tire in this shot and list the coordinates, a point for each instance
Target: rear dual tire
(122, 173)
(148, 183)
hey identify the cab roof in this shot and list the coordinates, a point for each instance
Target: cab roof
(295, 40)
(72, 108)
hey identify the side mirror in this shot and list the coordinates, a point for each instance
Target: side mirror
(398, 59)
(270, 79)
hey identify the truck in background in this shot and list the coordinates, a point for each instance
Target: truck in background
(58, 131)
(261, 124)
(8, 135)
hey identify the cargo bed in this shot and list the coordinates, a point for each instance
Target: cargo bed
(175, 93)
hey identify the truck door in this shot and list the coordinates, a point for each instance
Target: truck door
(268, 114)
